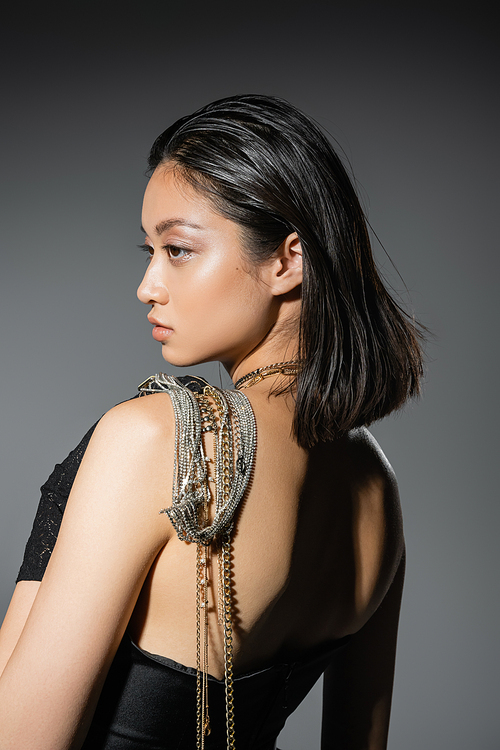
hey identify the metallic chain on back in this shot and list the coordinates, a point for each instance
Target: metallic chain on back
(229, 416)
(228, 643)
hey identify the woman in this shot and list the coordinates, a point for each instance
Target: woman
(258, 254)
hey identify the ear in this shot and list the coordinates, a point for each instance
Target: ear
(284, 271)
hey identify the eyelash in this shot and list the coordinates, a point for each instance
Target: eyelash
(168, 249)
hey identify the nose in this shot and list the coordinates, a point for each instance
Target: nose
(152, 288)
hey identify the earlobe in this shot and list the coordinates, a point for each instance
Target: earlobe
(287, 267)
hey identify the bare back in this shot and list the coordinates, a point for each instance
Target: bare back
(317, 541)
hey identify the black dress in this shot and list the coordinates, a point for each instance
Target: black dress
(148, 701)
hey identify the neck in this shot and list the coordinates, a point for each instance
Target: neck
(263, 372)
(289, 369)
(280, 344)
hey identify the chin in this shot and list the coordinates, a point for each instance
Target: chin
(180, 361)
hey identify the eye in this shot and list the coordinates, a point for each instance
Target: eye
(147, 249)
(177, 254)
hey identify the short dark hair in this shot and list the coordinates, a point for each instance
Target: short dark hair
(268, 167)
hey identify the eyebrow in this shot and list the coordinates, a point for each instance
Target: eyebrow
(162, 226)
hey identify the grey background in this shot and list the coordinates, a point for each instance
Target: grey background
(411, 93)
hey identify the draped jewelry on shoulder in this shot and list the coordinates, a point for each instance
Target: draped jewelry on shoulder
(201, 408)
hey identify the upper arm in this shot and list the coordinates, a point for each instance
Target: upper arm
(53, 499)
(39, 547)
(110, 534)
(358, 684)
(15, 618)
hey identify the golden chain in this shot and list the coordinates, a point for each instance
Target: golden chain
(226, 586)
(224, 608)
(199, 722)
(220, 588)
(202, 715)
(202, 560)
(228, 642)
(292, 367)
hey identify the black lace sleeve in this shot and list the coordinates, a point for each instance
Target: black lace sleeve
(50, 511)
(55, 493)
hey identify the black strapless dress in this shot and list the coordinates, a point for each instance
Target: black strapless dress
(149, 702)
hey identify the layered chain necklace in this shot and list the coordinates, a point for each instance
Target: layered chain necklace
(200, 408)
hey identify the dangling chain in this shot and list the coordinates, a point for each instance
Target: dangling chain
(202, 717)
(232, 422)
(228, 641)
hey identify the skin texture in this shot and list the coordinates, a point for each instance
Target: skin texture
(318, 544)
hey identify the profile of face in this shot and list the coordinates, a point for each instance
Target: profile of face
(207, 303)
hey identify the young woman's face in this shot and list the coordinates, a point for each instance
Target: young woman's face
(205, 305)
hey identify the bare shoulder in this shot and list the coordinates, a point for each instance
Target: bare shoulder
(138, 418)
(377, 523)
(127, 466)
(367, 456)
(369, 474)
(357, 463)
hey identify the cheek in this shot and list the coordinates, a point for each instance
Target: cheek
(217, 285)
(238, 292)
(229, 303)
(245, 314)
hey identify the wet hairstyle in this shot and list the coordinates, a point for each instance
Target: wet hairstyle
(268, 167)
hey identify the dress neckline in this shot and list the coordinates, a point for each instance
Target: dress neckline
(317, 653)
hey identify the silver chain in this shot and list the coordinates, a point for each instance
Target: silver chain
(190, 480)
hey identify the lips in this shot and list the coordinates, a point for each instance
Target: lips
(160, 331)
(156, 322)
(161, 334)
